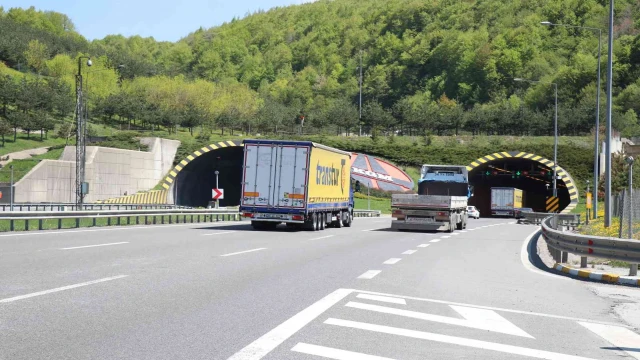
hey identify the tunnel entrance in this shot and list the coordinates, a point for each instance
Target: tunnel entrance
(528, 172)
(191, 181)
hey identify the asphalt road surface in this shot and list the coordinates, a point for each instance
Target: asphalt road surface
(224, 291)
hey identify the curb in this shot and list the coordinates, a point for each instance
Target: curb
(609, 278)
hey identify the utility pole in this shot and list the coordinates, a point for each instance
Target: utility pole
(360, 118)
(607, 159)
(555, 146)
(80, 134)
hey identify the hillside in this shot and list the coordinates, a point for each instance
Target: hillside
(441, 67)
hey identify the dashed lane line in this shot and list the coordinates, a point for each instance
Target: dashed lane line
(68, 287)
(243, 252)
(369, 274)
(392, 261)
(423, 245)
(409, 252)
(90, 246)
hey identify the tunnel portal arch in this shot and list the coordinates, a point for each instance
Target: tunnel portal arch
(193, 178)
(516, 160)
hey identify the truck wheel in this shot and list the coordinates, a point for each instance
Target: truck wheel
(323, 220)
(316, 224)
(257, 225)
(349, 220)
(339, 222)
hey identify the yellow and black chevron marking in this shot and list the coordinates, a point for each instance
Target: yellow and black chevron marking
(149, 197)
(564, 176)
(174, 172)
(553, 203)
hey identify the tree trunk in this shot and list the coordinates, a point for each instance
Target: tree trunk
(41, 134)
(15, 133)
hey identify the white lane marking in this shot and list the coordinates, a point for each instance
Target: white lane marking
(435, 240)
(218, 233)
(371, 229)
(510, 349)
(123, 227)
(269, 341)
(446, 237)
(68, 287)
(322, 237)
(463, 231)
(244, 252)
(332, 353)
(527, 260)
(423, 245)
(455, 234)
(392, 261)
(492, 320)
(387, 299)
(89, 246)
(491, 308)
(473, 318)
(511, 223)
(409, 252)
(623, 339)
(369, 274)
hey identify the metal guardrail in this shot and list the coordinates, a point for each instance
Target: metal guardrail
(569, 220)
(592, 246)
(151, 217)
(73, 207)
(366, 213)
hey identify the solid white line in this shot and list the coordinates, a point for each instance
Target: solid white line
(269, 341)
(89, 246)
(243, 252)
(68, 287)
(332, 353)
(463, 231)
(409, 252)
(369, 274)
(435, 240)
(491, 308)
(322, 237)
(510, 349)
(122, 227)
(392, 261)
(454, 234)
(423, 245)
(446, 237)
(371, 229)
(387, 299)
(473, 318)
(218, 233)
(620, 337)
(526, 259)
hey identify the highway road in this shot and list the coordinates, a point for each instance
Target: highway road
(224, 291)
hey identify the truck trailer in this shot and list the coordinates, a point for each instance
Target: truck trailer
(300, 183)
(441, 202)
(505, 201)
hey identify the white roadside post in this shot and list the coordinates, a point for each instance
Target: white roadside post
(633, 268)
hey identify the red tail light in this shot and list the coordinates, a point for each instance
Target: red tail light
(247, 215)
(442, 213)
(297, 217)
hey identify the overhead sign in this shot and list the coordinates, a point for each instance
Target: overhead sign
(217, 194)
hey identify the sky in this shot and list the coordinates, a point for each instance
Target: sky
(165, 20)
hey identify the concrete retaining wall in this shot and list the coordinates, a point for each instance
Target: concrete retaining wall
(110, 173)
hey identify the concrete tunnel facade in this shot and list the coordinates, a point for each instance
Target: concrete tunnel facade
(190, 182)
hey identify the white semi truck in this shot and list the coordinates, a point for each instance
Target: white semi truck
(441, 202)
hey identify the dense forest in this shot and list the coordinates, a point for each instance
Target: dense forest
(440, 67)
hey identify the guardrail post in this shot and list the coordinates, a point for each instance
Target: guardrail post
(77, 222)
(118, 223)
(192, 218)
(216, 218)
(565, 257)
(11, 225)
(583, 262)
(39, 224)
(145, 220)
(633, 270)
(128, 220)
(154, 219)
(198, 218)
(137, 220)
(162, 219)
(26, 225)
(170, 219)
(108, 221)
(59, 224)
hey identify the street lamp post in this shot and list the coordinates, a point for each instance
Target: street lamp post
(607, 159)
(633, 270)
(555, 132)
(596, 157)
(80, 140)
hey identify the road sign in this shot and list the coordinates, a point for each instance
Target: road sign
(217, 194)
(588, 200)
(553, 204)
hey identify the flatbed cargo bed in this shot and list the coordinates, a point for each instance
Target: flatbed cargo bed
(428, 201)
